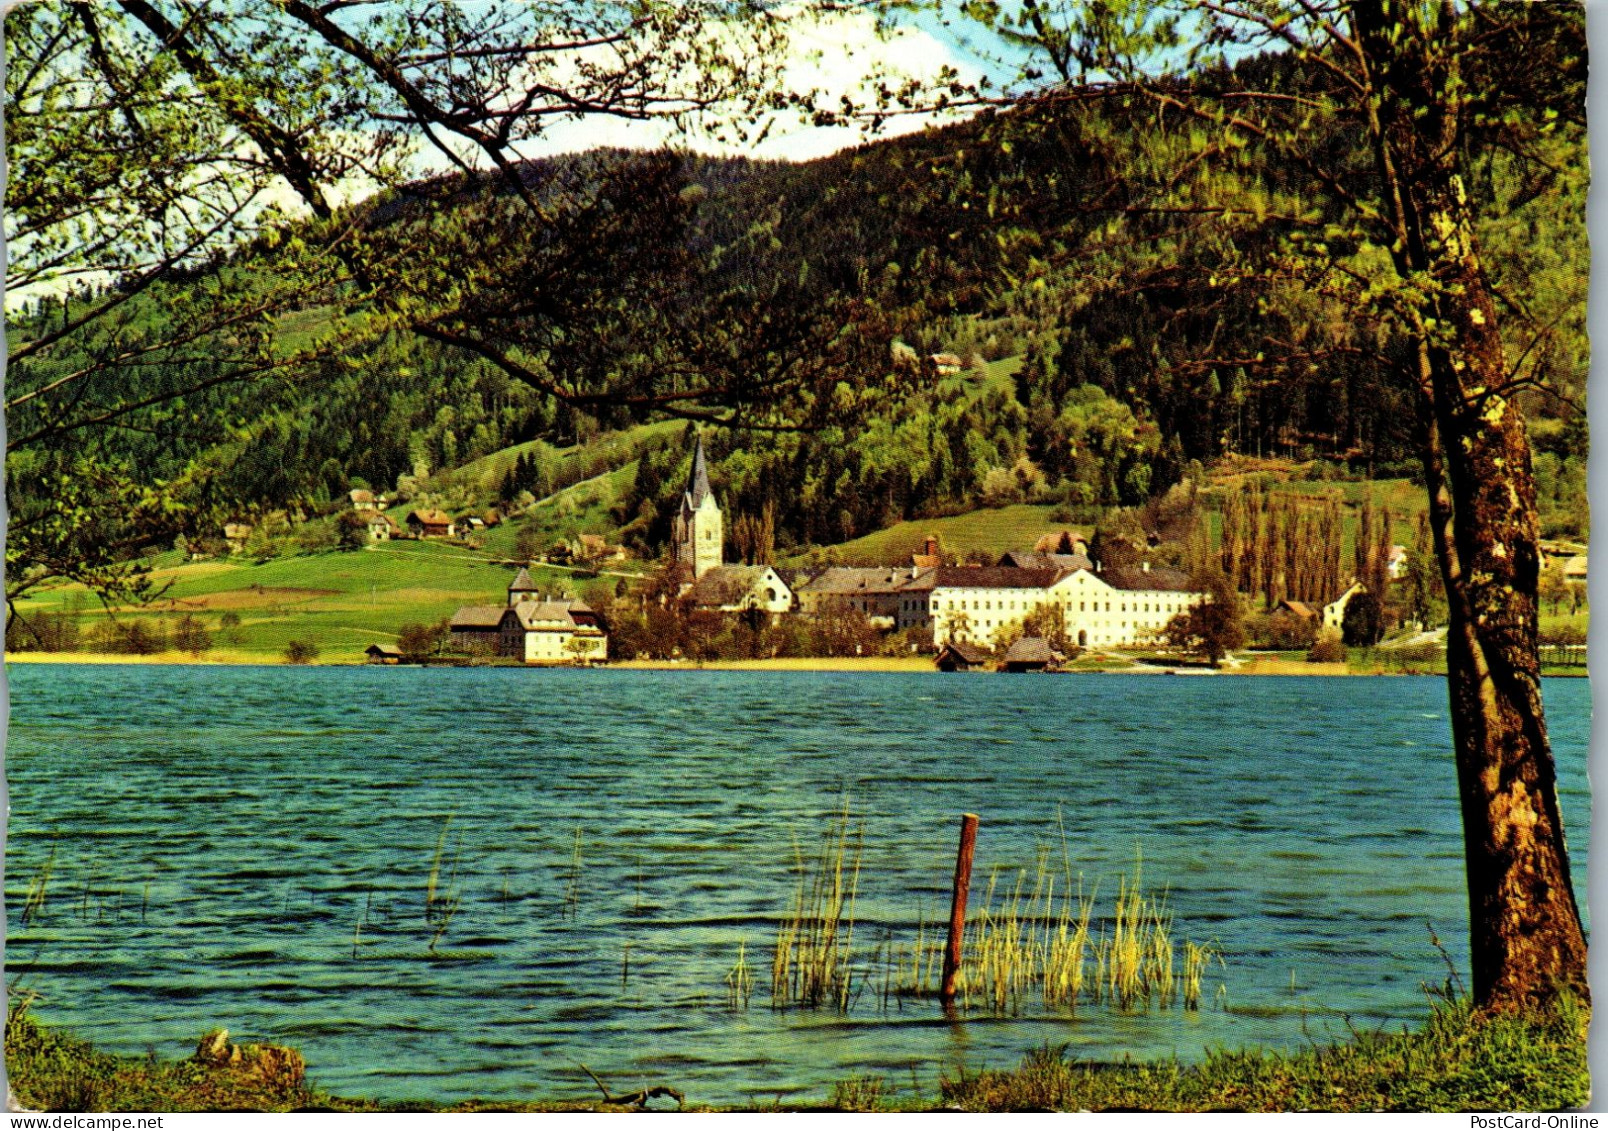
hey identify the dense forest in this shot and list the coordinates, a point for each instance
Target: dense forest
(1102, 351)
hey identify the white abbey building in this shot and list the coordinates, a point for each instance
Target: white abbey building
(971, 604)
(1131, 605)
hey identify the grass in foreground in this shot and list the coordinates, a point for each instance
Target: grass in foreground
(1457, 1062)
(53, 1071)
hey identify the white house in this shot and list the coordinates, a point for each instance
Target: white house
(381, 527)
(562, 630)
(553, 632)
(736, 588)
(1334, 613)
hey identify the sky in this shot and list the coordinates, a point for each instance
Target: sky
(834, 56)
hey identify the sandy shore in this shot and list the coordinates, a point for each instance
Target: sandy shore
(791, 664)
(215, 657)
(1247, 666)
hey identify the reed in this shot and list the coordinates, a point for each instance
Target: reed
(441, 901)
(740, 980)
(1196, 960)
(572, 885)
(812, 964)
(1036, 937)
(34, 902)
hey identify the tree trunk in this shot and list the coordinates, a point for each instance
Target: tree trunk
(1526, 936)
(1525, 932)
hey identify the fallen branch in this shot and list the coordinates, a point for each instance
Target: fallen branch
(638, 1099)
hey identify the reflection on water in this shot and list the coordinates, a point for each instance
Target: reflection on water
(253, 848)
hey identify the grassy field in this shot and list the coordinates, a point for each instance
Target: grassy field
(614, 449)
(585, 508)
(342, 602)
(991, 531)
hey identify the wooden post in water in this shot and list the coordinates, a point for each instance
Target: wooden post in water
(957, 905)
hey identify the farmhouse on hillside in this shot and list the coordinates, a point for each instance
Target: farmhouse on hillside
(429, 524)
(381, 527)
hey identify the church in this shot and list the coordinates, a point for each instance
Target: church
(698, 541)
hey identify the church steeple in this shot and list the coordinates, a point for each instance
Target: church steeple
(698, 481)
(698, 533)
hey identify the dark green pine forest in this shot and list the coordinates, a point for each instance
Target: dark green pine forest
(1107, 347)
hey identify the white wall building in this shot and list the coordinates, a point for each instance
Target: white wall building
(1099, 608)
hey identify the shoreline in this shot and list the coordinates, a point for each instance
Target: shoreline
(1253, 667)
(1530, 1061)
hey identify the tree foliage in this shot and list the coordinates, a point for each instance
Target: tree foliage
(1214, 627)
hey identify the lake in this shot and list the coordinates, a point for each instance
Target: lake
(252, 848)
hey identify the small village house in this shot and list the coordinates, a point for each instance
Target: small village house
(429, 524)
(1334, 613)
(236, 535)
(476, 630)
(962, 657)
(561, 631)
(383, 654)
(927, 557)
(595, 549)
(1300, 610)
(362, 500)
(740, 588)
(945, 364)
(1031, 654)
(381, 527)
(890, 597)
(531, 628)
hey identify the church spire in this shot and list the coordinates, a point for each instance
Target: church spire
(698, 482)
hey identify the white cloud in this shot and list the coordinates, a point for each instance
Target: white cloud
(835, 56)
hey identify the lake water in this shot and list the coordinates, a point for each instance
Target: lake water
(219, 834)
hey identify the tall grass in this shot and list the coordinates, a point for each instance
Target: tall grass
(1034, 938)
(1038, 940)
(813, 961)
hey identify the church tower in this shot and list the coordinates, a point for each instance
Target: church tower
(698, 532)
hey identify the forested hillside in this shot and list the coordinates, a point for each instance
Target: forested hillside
(1103, 348)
